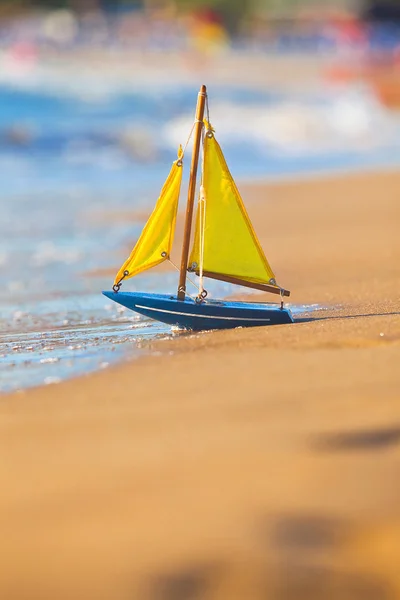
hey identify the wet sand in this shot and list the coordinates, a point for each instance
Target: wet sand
(244, 464)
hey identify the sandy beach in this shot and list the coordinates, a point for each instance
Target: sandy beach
(237, 465)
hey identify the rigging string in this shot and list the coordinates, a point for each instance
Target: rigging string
(208, 110)
(202, 292)
(202, 216)
(190, 135)
(202, 207)
(281, 291)
(188, 278)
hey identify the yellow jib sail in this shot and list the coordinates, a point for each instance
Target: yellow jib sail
(155, 242)
(231, 246)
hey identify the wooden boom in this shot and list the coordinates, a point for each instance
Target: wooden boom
(256, 286)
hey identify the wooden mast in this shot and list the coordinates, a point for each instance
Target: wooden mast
(198, 126)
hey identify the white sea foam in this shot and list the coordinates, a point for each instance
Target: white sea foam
(331, 121)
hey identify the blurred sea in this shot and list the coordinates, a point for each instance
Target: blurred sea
(76, 169)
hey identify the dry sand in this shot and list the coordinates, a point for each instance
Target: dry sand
(245, 464)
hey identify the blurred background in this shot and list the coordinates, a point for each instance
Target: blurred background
(96, 95)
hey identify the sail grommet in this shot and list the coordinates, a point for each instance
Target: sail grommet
(164, 254)
(209, 134)
(200, 298)
(117, 286)
(272, 281)
(179, 163)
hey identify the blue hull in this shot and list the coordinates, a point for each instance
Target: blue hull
(211, 314)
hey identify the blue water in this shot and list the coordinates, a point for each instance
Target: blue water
(75, 171)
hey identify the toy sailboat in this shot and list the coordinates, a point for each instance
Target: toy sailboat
(225, 246)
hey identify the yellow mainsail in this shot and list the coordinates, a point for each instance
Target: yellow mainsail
(155, 242)
(224, 236)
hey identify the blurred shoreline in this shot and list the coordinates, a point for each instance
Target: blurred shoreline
(83, 160)
(148, 41)
(95, 99)
(118, 70)
(115, 71)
